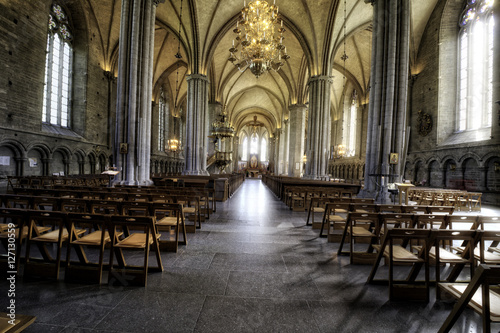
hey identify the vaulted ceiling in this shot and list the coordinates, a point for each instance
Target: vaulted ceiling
(314, 40)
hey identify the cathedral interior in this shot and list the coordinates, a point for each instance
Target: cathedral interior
(369, 93)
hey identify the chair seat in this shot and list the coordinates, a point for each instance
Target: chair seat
(318, 209)
(189, 210)
(445, 256)
(167, 221)
(399, 253)
(336, 218)
(135, 241)
(94, 238)
(40, 230)
(360, 231)
(53, 236)
(476, 301)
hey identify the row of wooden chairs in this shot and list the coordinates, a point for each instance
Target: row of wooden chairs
(15, 182)
(460, 199)
(435, 248)
(79, 231)
(207, 197)
(334, 211)
(192, 206)
(298, 198)
(371, 227)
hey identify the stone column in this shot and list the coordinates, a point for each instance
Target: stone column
(319, 127)
(196, 125)
(134, 92)
(296, 144)
(495, 123)
(388, 97)
(281, 150)
(287, 145)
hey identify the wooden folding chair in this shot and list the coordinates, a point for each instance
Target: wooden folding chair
(142, 236)
(396, 248)
(47, 266)
(431, 221)
(442, 253)
(17, 201)
(334, 219)
(316, 205)
(364, 227)
(191, 209)
(475, 201)
(169, 217)
(13, 225)
(86, 231)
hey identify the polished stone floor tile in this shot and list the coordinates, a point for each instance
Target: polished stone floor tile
(190, 281)
(147, 310)
(237, 314)
(271, 285)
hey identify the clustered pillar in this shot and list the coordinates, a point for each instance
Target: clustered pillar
(197, 125)
(134, 92)
(388, 97)
(296, 144)
(319, 127)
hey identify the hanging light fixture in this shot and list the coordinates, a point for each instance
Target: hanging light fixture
(260, 39)
(174, 145)
(341, 148)
(221, 128)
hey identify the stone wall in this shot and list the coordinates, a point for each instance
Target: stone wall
(27, 147)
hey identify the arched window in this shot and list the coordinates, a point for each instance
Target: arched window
(475, 85)
(263, 150)
(244, 149)
(254, 144)
(162, 121)
(353, 115)
(350, 117)
(58, 64)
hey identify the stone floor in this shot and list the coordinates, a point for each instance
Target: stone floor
(253, 267)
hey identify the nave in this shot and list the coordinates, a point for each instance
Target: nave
(253, 267)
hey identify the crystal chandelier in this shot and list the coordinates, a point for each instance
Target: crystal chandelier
(260, 38)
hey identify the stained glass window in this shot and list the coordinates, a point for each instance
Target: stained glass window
(475, 66)
(349, 125)
(58, 69)
(162, 121)
(254, 144)
(263, 150)
(244, 149)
